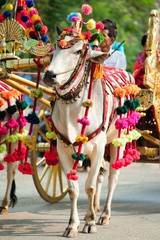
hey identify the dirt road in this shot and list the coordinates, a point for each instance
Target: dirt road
(135, 209)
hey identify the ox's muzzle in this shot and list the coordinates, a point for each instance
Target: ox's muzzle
(49, 77)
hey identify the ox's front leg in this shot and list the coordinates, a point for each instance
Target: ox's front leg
(112, 183)
(73, 225)
(7, 201)
(73, 191)
(90, 217)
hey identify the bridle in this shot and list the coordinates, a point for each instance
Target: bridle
(74, 91)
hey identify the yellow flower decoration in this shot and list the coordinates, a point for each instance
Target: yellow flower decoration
(51, 135)
(63, 33)
(38, 93)
(91, 24)
(82, 139)
(29, 142)
(81, 36)
(119, 142)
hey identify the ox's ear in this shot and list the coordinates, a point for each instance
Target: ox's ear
(97, 56)
(59, 30)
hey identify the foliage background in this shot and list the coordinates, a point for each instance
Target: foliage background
(131, 17)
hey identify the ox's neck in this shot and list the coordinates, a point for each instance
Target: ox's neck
(66, 115)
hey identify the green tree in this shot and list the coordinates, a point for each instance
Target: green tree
(131, 17)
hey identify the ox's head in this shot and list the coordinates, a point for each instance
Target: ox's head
(69, 51)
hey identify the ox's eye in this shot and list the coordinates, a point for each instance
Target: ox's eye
(78, 52)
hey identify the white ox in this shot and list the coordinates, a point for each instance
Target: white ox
(67, 109)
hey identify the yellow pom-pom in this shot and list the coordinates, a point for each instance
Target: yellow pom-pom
(30, 9)
(91, 24)
(81, 36)
(9, 7)
(28, 30)
(34, 18)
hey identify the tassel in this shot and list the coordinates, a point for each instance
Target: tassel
(98, 72)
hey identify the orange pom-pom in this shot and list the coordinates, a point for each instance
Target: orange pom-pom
(6, 95)
(63, 43)
(15, 93)
(119, 92)
(2, 102)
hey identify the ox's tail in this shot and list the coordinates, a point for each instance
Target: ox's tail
(13, 197)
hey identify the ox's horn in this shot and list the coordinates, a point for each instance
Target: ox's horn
(93, 37)
(59, 30)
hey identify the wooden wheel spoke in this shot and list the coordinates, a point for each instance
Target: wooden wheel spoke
(43, 135)
(49, 178)
(55, 179)
(44, 172)
(60, 177)
(40, 162)
(47, 123)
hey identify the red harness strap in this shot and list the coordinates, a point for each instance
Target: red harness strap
(5, 86)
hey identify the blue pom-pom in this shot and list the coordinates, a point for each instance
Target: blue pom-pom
(44, 38)
(70, 16)
(7, 14)
(29, 3)
(24, 18)
(32, 118)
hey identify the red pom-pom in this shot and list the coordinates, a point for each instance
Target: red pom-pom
(9, 158)
(44, 30)
(99, 26)
(86, 9)
(2, 18)
(87, 35)
(128, 160)
(25, 168)
(51, 158)
(72, 175)
(20, 154)
(38, 21)
(1, 167)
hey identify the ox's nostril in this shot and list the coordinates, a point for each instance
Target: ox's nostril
(49, 74)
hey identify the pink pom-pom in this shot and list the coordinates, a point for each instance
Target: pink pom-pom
(74, 19)
(84, 121)
(3, 131)
(71, 31)
(121, 123)
(33, 12)
(86, 9)
(29, 25)
(12, 123)
(131, 121)
(44, 30)
(128, 160)
(22, 121)
(49, 119)
(1, 167)
(99, 26)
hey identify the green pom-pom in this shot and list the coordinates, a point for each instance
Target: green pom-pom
(128, 104)
(12, 109)
(81, 157)
(136, 104)
(38, 27)
(122, 110)
(21, 104)
(74, 155)
(2, 115)
(2, 2)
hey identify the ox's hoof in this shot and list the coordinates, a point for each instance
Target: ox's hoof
(89, 228)
(104, 219)
(3, 211)
(69, 232)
